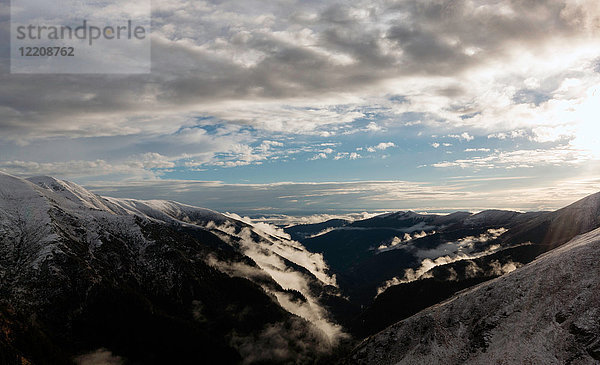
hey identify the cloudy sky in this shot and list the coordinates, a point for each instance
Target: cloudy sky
(301, 107)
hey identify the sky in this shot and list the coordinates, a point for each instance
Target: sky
(309, 107)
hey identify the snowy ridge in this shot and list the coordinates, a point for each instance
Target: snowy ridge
(26, 237)
(161, 210)
(87, 266)
(490, 217)
(65, 220)
(560, 226)
(70, 191)
(165, 211)
(547, 312)
(64, 193)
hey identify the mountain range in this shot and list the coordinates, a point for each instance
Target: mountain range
(88, 279)
(547, 312)
(152, 282)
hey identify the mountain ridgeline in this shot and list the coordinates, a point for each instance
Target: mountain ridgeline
(155, 282)
(547, 312)
(394, 265)
(88, 279)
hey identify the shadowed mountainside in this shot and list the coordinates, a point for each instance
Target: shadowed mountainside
(547, 312)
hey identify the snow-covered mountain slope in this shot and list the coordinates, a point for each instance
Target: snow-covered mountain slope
(76, 197)
(555, 228)
(547, 312)
(70, 191)
(505, 218)
(410, 221)
(165, 211)
(76, 268)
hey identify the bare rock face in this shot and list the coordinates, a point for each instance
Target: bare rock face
(547, 312)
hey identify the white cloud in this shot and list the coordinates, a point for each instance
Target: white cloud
(551, 134)
(373, 127)
(341, 197)
(296, 67)
(269, 251)
(287, 220)
(84, 169)
(505, 135)
(381, 146)
(463, 249)
(319, 156)
(463, 136)
(347, 155)
(558, 156)
(267, 145)
(153, 160)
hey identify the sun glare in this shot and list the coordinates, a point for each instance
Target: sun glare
(587, 135)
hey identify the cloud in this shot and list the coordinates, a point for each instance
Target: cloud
(551, 134)
(269, 251)
(319, 156)
(336, 197)
(153, 160)
(196, 148)
(463, 249)
(325, 231)
(405, 239)
(511, 134)
(281, 342)
(229, 97)
(373, 127)
(291, 66)
(381, 146)
(463, 137)
(286, 220)
(267, 145)
(88, 169)
(465, 245)
(262, 226)
(99, 357)
(499, 269)
(557, 156)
